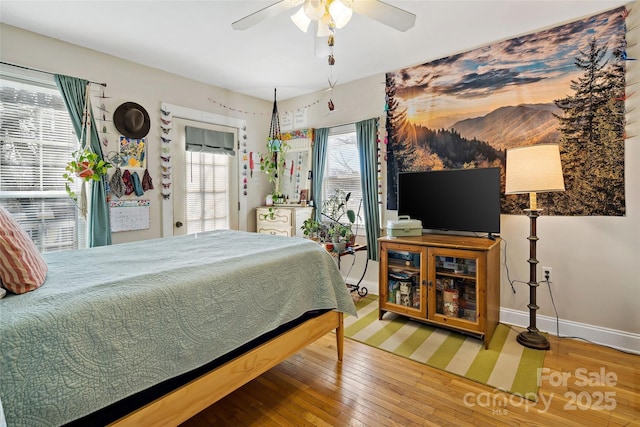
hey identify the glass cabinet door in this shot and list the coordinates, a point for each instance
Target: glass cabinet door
(453, 286)
(405, 276)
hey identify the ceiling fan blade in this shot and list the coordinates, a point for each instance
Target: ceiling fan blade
(264, 13)
(386, 14)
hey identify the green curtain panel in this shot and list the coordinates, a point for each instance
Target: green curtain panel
(319, 158)
(73, 91)
(366, 132)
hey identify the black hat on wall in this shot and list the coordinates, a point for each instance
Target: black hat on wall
(132, 120)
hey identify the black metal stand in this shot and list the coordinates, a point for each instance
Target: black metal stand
(532, 338)
(361, 290)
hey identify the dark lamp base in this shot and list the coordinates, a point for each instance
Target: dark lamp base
(533, 340)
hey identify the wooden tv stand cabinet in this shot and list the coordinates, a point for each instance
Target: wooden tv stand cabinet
(443, 280)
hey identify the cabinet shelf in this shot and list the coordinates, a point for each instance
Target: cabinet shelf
(398, 266)
(455, 275)
(444, 280)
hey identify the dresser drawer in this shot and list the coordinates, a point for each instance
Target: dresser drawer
(278, 216)
(274, 230)
(276, 221)
(282, 221)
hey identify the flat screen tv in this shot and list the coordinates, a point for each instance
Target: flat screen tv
(452, 199)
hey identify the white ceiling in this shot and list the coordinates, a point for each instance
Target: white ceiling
(194, 38)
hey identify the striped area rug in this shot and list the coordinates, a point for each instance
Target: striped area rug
(505, 365)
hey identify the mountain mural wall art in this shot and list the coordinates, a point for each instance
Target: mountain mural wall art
(563, 85)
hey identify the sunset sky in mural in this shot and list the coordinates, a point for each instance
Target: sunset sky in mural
(530, 69)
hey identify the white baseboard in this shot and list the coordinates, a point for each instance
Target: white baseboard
(621, 340)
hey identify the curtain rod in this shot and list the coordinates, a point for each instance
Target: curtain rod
(354, 122)
(46, 72)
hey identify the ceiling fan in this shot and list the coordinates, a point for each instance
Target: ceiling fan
(331, 14)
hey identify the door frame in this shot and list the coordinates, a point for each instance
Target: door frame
(179, 179)
(170, 111)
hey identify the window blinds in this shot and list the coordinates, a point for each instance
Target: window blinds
(209, 141)
(342, 169)
(207, 192)
(36, 142)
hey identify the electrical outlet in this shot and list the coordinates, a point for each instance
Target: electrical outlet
(546, 273)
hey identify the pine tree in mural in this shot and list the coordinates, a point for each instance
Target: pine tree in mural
(409, 145)
(402, 135)
(396, 120)
(608, 178)
(592, 141)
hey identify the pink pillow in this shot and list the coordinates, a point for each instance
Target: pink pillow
(22, 268)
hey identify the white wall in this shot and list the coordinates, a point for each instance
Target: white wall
(127, 81)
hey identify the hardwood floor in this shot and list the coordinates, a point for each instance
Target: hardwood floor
(582, 385)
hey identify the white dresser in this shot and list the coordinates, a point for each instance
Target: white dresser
(283, 220)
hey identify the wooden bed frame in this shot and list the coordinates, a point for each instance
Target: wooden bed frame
(184, 402)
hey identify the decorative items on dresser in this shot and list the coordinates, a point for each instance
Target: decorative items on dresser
(282, 220)
(444, 280)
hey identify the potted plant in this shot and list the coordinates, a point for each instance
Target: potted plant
(335, 209)
(348, 235)
(310, 228)
(85, 165)
(340, 235)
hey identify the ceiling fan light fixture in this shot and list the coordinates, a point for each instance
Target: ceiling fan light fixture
(314, 9)
(301, 20)
(340, 13)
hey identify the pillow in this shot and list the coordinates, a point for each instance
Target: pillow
(22, 268)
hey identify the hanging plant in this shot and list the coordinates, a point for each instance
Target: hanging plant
(85, 165)
(272, 164)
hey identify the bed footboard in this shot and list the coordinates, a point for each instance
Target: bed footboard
(184, 402)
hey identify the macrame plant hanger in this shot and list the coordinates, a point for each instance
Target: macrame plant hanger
(85, 143)
(274, 142)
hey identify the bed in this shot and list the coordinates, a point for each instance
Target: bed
(174, 324)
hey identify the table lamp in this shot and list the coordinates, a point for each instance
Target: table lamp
(533, 169)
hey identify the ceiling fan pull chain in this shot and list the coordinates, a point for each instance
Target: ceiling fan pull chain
(332, 61)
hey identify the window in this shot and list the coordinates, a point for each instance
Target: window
(207, 182)
(36, 142)
(207, 188)
(342, 170)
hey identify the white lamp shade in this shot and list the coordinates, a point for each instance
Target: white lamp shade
(314, 9)
(340, 13)
(301, 20)
(534, 169)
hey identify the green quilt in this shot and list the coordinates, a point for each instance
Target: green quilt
(112, 321)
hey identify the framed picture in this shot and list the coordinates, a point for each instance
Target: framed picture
(303, 195)
(132, 152)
